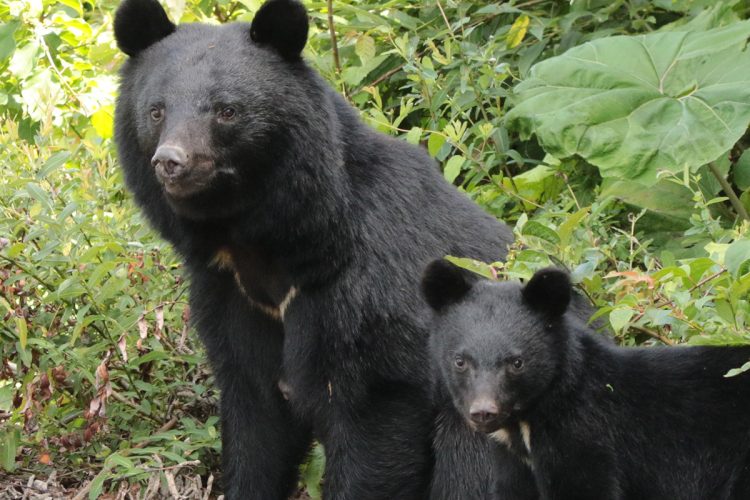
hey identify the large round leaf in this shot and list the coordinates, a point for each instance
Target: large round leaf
(636, 105)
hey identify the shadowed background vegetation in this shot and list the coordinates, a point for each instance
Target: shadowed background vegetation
(610, 134)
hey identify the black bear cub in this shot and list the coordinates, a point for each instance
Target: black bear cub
(593, 420)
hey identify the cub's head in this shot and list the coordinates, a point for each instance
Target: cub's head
(206, 111)
(496, 346)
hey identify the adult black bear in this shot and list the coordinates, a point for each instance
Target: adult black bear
(304, 234)
(594, 421)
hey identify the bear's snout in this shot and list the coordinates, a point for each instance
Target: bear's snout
(484, 413)
(170, 162)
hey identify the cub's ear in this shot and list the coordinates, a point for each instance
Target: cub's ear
(548, 291)
(283, 25)
(139, 24)
(444, 284)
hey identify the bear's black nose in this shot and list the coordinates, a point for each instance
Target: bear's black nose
(169, 161)
(483, 411)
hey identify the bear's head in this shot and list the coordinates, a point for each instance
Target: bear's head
(496, 346)
(207, 112)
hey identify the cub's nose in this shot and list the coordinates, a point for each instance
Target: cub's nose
(483, 411)
(169, 161)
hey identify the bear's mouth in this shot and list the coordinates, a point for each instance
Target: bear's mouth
(194, 180)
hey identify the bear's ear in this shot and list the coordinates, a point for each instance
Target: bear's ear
(548, 291)
(282, 24)
(444, 284)
(139, 24)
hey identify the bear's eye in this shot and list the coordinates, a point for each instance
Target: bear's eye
(516, 364)
(156, 113)
(227, 113)
(459, 363)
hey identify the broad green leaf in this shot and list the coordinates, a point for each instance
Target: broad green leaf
(741, 171)
(664, 197)
(7, 41)
(534, 228)
(434, 143)
(414, 135)
(453, 168)
(619, 318)
(23, 60)
(737, 254)
(365, 48)
(636, 105)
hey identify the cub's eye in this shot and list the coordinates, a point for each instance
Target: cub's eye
(516, 364)
(459, 363)
(227, 113)
(156, 113)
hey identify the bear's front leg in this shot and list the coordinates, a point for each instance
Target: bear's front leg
(380, 451)
(263, 443)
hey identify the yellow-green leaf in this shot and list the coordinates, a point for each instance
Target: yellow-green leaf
(22, 330)
(453, 168)
(365, 48)
(517, 31)
(103, 122)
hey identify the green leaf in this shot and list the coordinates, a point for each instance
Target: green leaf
(7, 40)
(434, 143)
(741, 171)
(664, 197)
(54, 162)
(22, 330)
(736, 371)
(414, 135)
(24, 60)
(474, 266)
(517, 31)
(534, 228)
(453, 168)
(636, 105)
(619, 318)
(738, 253)
(103, 122)
(365, 48)
(9, 448)
(97, 484)
(571, 223)
(312, 474)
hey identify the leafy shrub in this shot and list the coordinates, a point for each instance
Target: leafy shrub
(100, 378)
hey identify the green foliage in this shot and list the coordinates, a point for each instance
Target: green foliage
(634, 106)
(99, 376)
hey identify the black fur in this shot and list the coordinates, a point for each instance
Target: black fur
(444, 284)
(273, 186)
(283, 25)
(595, 421)
(139, 24)
(548, 292)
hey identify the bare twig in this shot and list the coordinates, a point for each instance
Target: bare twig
(729, 191)
(652, 333)
(334, 42)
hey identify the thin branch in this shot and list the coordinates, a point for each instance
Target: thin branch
(334, 42)
(729, 191)
(654, 334)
